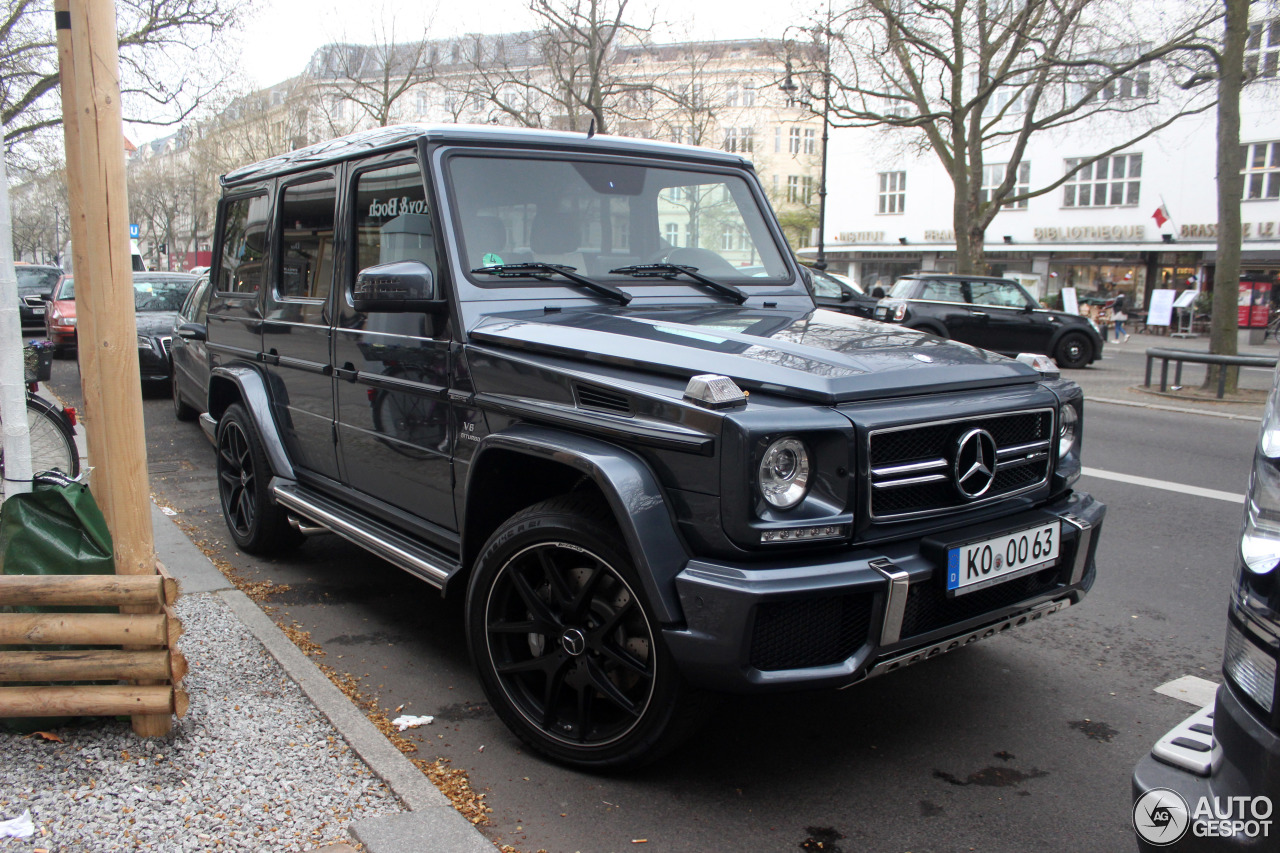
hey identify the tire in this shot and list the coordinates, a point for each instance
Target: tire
(181, 410)
(53, 441)
(566, 647)
(1073, 351)
(257, 524)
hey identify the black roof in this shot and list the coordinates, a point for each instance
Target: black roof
(938, 276)
(385, 138)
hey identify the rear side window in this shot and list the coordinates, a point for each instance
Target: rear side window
(1006, 294)
(391, 218)
(306, 240)
(242, 266)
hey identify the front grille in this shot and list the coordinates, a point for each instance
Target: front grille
(34, 301)
(913, 468)
(165, 343)
(810, 631)
(929, 609)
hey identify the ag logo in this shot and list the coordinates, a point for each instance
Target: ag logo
(1161, 816)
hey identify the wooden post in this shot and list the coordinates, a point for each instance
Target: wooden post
(117, 440)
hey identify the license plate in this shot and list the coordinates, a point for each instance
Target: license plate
(991, 561)
(39, 312)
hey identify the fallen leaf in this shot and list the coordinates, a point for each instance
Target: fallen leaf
(639, 841)
(47, 736)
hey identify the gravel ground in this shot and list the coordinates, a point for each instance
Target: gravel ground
(252, 766)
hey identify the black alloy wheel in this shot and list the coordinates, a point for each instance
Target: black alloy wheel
(567, 651)
(256, 523)
(1073, 351)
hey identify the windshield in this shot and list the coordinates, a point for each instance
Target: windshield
(597, 216)
(161, 294)
(37, 279)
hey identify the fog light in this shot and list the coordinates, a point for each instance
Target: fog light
(1252, 669)
(802, 534)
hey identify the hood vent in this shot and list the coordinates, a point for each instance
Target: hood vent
(602, 400)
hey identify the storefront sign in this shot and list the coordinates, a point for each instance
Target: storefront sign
(860, 237)
(1090, 233)
(1249, 230)
(1255, 301)
(939, 236)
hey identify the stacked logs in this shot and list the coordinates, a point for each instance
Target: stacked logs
(144, 637)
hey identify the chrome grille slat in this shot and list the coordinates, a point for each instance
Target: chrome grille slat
(912, 472)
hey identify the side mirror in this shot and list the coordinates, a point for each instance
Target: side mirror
(192, 331)
(845, 295)
(398, 287)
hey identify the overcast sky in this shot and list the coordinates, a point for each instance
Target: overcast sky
(285, 33)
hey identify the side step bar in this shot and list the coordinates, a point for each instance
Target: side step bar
(433, 566)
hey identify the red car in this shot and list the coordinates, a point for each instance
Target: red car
(60, 318)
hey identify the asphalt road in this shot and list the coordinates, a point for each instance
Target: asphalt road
(1022, 743)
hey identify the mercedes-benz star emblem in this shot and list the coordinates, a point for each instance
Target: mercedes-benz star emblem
(975, 466)
(574, 642)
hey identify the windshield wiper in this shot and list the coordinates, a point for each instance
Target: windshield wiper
(540, 270)
(670, 271)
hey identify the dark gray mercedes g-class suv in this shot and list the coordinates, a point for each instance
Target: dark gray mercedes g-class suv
(580, 379)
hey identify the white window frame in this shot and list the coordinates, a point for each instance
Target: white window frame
(1261, 170)
(810, 141)
(993, 176)
(1262, 50)
(1114, 181)
(793, 141)
(892, 196)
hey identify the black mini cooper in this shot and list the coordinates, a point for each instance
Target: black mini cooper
(996, 314)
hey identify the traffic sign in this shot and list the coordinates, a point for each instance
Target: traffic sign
(134, 231)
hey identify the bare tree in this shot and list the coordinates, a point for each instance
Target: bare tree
(39, 207)
(169, 59)
(564, 74)
(972, 79)
(367, 84)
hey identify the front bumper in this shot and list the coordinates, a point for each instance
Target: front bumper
(1243, 760)
(863, 612)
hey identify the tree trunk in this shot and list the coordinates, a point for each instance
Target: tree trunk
(1225, 324)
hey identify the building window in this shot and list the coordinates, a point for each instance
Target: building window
(1261, 169)
(749, 93)
(811, 141)
(1110, 182)
(731, 139)
(337, 106)
(1262, 51)
(893, 192)
(777, 140)
(807, 189)
(794, 141)
(993, 176)
(793, 188)
(424, 103)
(746, 139)
(731, 95)
(673, 233)
(1133, 85)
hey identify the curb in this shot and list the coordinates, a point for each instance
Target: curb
(431, 825)
(1182, 410)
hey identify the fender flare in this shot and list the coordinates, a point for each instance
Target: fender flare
(633, 493)
(252, 388)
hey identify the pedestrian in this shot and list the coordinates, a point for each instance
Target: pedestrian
(1118, 316)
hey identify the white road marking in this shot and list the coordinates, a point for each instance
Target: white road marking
(1181, 488)
(1190, 689)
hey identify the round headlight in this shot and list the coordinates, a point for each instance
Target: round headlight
(1068, 424)
(784, 473)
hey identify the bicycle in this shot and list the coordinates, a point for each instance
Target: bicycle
(53, 436)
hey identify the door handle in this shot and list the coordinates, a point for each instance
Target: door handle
(977, 313)
(347, 371)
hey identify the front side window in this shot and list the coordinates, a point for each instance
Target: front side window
(392, 222)
(596, 216)
(1261, 170)
(1004, 294)
(306, 240)
(1109, 182)
(893, 192)
(242, 266)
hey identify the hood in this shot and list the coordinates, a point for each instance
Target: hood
(156, 322)
(820, 355)
(63, 307)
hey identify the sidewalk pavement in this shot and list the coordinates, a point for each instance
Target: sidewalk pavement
(1118, 378)
(430, 823)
